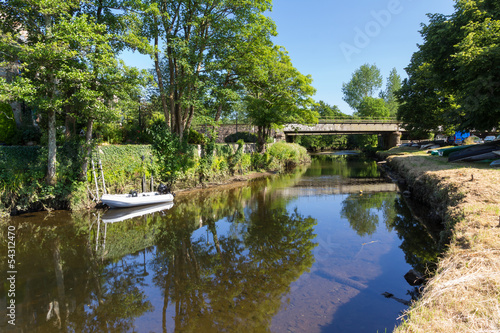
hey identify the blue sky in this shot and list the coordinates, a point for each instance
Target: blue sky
(330, 39)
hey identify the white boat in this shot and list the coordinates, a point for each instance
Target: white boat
(121, 214)
(135, 199)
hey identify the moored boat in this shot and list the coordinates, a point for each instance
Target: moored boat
(121, 214)
(135, 199)
(475, 152)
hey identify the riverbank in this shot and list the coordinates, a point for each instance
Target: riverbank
(463, 294)
(122, 168)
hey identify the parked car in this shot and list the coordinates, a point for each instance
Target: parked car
(498, 138)
(489, 138)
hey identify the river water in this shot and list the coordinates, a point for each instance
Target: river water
(309, 251)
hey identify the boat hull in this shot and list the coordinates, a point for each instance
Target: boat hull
(475, 152)
(127, 200)
(121, 214)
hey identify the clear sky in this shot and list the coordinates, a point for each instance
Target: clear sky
(330, 39)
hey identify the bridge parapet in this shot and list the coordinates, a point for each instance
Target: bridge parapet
(344, 127)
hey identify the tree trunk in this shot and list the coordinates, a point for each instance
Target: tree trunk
(51, 165)
(261, 140)
(160, 84)
(87, 148)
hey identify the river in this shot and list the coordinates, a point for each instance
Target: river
(314, 250)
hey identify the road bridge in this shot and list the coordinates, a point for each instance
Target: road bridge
(388, 129)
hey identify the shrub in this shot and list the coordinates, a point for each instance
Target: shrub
(288, 155)
(245, 136)
(173, 155)
(196, 138)
(7, 123)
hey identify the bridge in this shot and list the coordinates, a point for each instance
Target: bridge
(388, 129)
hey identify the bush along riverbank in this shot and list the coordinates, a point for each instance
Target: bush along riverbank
(463, 293)
(127, 167)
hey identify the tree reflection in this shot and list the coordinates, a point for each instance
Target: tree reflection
(347, 166)
(419, 243)
(234, 283)
(63, 284)
(362, 211)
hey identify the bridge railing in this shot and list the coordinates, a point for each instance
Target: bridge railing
(353, 120)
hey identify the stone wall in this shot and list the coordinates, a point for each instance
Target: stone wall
(225, 130)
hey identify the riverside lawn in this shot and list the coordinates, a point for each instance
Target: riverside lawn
(463, 294)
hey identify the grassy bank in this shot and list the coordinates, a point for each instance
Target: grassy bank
(22, 171)
(463, 294)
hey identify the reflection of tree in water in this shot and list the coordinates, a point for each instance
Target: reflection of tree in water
(362, 211)
(348, 166)
(63, 285)
(420, 247)
(236, 282)
(418, 242)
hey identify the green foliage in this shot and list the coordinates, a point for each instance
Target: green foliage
(453, 78)
(287, 155)
(196, 138)
(7, 124)
(278, 93)
(173, 155)
(371, 107)
(22, 172)
(328, 111)
(364, 83)
(245, 136)
(322, 142)
(206, 163)
(123, 166)
(260, 161)
(362, 141)
(235, 160)
(389, 95)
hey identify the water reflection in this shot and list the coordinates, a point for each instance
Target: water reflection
(306, 251)
(361, 210)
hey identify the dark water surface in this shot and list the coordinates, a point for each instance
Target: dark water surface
(310, 251)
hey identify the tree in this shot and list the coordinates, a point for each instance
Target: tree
(328, 111)
(66, 61)
(201, 42)
(371, 107)
(364, 83)
(277, 93)
(389, 95)
(453, 78)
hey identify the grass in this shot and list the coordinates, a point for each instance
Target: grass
(463, 295)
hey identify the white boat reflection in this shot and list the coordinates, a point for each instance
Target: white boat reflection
(121, 214)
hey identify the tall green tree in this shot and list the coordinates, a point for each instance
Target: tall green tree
(365, 82)
(67, 65)
(453, 77)
(393, 85)
(371, 107)
(196, 44)
(277, 93)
